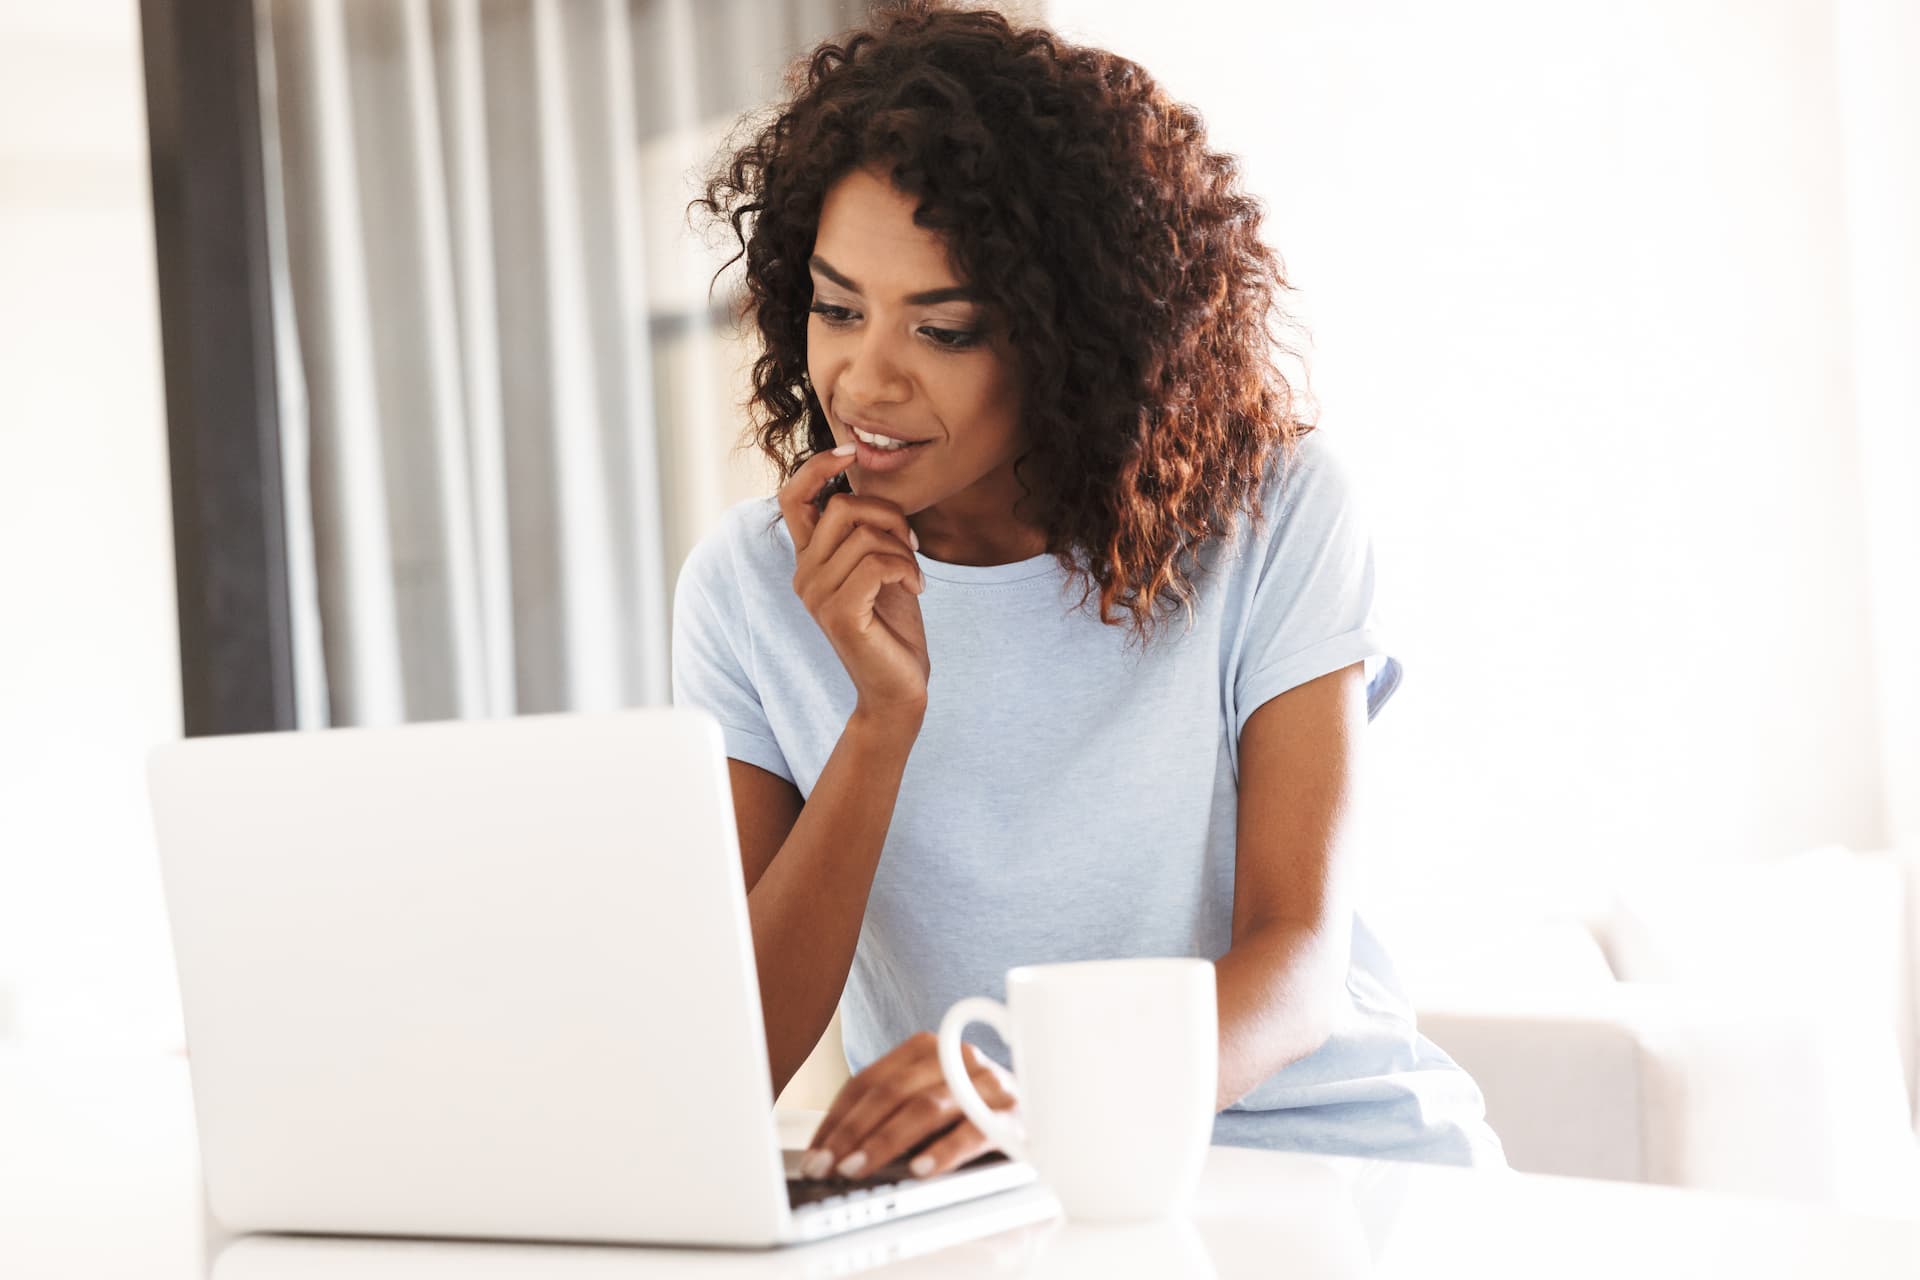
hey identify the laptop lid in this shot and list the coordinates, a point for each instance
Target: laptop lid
(487, 979)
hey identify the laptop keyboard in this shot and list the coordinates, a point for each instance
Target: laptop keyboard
(835, 1191)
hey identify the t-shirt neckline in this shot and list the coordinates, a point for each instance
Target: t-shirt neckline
(987, 574)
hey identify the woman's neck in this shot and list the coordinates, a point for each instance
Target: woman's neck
(953, 539)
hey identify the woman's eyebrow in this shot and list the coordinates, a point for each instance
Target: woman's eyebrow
(953, 293)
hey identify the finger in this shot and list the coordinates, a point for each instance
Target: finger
(888, 1085)
(990, 1080)
(850, 1143)
(994, 1088)
(920, 1116)
(963, 1143)
(861, 545)
(925, 1115)
(842, 516)
(822, 1153)
(851, 1093)
(853, 610)
(796, 496)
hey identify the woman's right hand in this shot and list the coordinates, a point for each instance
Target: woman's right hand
(857, 576)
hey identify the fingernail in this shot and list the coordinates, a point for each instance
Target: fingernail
(921, 1166)
(852, 1165)
(844, 451)
(913, 538)
(817, 1164)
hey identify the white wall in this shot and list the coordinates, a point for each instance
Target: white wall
(1877, 48)
(1578, 278)
(1580, 291)
(88, 675)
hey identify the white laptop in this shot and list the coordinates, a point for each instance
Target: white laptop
(489, 979)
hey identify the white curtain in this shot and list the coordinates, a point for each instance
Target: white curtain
(508, 399)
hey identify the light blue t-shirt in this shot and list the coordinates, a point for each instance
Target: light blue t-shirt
(1073, 797)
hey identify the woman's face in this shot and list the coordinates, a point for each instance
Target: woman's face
(896, 348)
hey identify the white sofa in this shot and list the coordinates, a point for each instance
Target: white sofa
(1745, 1029)
(1748, 1029)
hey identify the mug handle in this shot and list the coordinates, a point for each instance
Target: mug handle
(1001, 1132)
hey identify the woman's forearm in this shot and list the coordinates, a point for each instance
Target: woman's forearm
(1278, 992)
(807, 906)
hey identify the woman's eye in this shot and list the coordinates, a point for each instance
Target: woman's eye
(947, 339)
(953, 339)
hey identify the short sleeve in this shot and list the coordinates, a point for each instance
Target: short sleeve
(711, 657)
(1312, 610)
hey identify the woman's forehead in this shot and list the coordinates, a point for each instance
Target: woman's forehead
(867, 235)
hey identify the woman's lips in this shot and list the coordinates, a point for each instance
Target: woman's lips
(880, 461)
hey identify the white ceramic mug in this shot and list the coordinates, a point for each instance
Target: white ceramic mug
(1117, 1063)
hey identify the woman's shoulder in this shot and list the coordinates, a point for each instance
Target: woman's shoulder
(1313, 473)
(1303, 491)
(744, 550)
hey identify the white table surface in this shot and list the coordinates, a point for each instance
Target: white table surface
(98, 1179)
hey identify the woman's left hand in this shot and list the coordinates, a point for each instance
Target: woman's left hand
(899, 1102)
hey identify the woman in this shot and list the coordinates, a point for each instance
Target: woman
(1056, 646)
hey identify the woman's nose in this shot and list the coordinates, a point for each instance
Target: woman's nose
(873, 375)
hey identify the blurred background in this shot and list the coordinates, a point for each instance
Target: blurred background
(1614, 313)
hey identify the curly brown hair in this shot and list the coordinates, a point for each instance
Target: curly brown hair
(1121, 254)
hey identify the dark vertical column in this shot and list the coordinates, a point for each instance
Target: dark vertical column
(216, 327)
